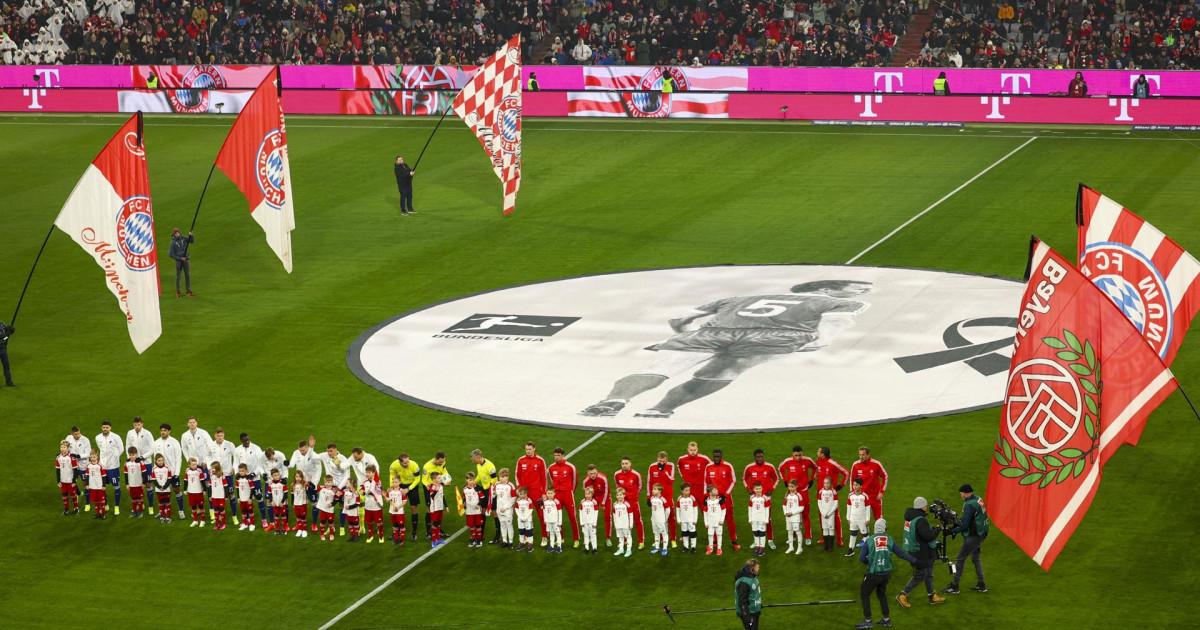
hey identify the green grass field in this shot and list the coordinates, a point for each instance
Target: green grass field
(262, 351)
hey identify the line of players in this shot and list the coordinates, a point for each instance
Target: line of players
(250, 474)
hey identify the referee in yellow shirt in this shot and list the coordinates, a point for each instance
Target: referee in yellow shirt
(409, 474)
(485, 476)
(435, 465)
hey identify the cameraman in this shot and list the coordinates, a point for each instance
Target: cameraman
(974, 527)
(921, 541)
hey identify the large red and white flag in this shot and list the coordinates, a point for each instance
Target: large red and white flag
(110, 216)
(490, 104)
(1081, 380)
(1145, 273)
(255, 157)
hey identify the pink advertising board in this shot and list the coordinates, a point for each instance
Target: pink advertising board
(731, 79)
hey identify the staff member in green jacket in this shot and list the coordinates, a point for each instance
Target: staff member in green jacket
(877, 553)
(748, 596)
(974, 528)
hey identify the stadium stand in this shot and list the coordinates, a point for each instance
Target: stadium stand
(1150, 34)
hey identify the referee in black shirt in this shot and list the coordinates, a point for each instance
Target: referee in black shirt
(404, 176)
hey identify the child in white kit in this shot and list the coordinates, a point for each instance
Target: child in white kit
(827, 505)
(793, 510)
(623, 524)
(858, 513)
(552, 519)
(660, 509)
(589, 512)
(524, 510)
(686, 514)
(760, 515)
(503, 498)
(714, 519)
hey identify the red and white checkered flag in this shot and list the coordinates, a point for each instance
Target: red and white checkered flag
(491, 106)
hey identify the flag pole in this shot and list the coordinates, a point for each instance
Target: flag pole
(1185, 397)
(435, 128)
(13, 321)
(198, 203)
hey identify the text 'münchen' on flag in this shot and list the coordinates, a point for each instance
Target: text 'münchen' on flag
(109, 214)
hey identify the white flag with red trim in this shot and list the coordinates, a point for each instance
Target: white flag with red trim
(255, 157)
(491, 106)
(110, 216)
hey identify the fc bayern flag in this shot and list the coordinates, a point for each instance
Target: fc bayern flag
(1081, 380)
(110, 215)
(1145, 273)
(255, 157)
(491, 106)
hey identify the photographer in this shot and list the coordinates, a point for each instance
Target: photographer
(974, 527)
(920, 539)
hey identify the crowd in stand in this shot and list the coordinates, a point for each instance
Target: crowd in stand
(1149, 34)
(1124, 34)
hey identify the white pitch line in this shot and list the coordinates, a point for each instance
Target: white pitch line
(389, 582)
(378, 589)
(939, 201)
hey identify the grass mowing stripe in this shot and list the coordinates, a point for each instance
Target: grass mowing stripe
(939, 201)
(414, 563)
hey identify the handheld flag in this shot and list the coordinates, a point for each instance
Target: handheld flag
(1149, 276)
(255, 157)
(1080, 381)
(110, 216)
(458, 495)
(491, 106)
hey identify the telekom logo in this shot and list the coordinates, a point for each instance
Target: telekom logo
(892, 84)
(1012, 82)
(1123, 104)
(48, 78)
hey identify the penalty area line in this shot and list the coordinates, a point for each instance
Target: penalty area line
(379, 589)
(939, 201)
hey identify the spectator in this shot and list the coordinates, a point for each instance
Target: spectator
(1078, 87)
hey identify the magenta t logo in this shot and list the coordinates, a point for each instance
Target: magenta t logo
(48, 77)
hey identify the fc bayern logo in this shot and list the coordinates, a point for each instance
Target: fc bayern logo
(651, 102)
(195, 101)
(1145, 302)
(135, 234)
(1044, 405)
(268, 168)
(508, 124)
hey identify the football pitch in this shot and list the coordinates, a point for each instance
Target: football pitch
(264, 352)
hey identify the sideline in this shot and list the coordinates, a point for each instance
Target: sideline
(378, 589)
(939, 201)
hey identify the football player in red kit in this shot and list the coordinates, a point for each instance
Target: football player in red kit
(762, 472)
(662, 472)
(874, 480)
(565, 480)
(630, 481)
(802, 470)
(720, 474)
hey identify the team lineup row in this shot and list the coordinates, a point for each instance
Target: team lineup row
(215, 476)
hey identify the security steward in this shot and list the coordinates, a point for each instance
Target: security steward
(877, 553)
(533, 83)
(974, 528)
(941, 87)
(748, 595)
(921, 540)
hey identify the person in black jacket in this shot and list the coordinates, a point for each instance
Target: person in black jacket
(404, 176)
(749, 595)
(179, 252)
(919, 534)
(6, 331)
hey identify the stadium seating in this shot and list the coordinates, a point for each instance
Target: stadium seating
(1152, 34)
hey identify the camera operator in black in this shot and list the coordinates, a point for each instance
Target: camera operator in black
(920, 539)
(974, 527)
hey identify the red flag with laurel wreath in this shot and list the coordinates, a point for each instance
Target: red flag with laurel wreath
(1081, 380)
(491, 106)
